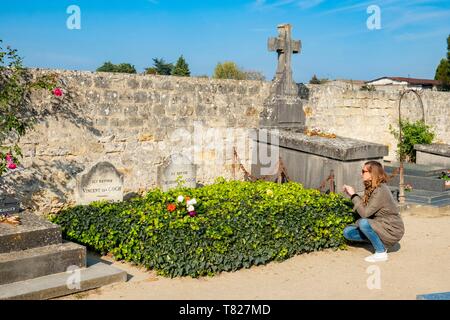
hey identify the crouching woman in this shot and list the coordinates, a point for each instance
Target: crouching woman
(380, 222)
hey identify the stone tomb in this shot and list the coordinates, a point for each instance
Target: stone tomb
(34, 262)
(8, 205)
(101, 182)
(177, 166)
(433, 154)
(311, 159)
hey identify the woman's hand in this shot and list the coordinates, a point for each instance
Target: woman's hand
(348, 190)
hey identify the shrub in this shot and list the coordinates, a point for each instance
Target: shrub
(228, 70)
(238, 224)
(120, 68)
(412, 133)
(369, 88)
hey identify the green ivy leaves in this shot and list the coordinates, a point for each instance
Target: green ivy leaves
(239, 224)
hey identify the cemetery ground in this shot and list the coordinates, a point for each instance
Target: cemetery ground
(419, 266)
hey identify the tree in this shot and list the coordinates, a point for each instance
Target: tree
(120, 68)
(162, 68)
(181, 68)
(228, 70)
(443, 70)
(315, 80)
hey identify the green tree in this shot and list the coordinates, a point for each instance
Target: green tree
(228, 70)
(443, 70)
(162, 68)
(120, 68)
(181, 68)
(314, 80)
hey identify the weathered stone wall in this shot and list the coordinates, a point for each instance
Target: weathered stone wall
(135, 122)
(344, 109)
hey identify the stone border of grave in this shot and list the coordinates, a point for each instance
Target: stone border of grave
(433, 154)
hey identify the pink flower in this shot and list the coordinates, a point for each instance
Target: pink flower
(11, 165)
(192, 213)
(8, 158)
(57, 92)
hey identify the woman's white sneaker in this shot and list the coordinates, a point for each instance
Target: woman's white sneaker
(377, 257)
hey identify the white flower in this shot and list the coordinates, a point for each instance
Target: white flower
(192, 202)
(180, 198)
(191, 208)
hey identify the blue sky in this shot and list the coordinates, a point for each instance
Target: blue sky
(336, 41)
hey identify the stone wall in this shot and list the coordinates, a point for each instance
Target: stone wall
(137, 121)
(342, 108)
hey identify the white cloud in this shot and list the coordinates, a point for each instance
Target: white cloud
(308, 4)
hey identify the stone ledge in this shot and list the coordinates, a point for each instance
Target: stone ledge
(39, 262)
(339, 148)
(434, 148)
(33, 232)
(55, 285)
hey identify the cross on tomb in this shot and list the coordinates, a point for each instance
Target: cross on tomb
(285, 47)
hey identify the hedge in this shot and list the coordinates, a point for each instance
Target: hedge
(237, 224)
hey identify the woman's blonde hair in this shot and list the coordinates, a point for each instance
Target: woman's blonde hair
(379, 176)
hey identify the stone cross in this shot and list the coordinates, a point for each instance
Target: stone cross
(285, 47)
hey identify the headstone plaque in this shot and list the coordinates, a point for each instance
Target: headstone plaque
(101, 182)
(174, 168)
(8, 205)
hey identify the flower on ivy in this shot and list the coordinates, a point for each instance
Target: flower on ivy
(171, 207)
(269, 192)
(57, 92)
(191, 202)
(191, 208)
(192, 214)
(180, 198)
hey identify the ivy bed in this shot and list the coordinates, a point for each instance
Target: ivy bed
(220, 227)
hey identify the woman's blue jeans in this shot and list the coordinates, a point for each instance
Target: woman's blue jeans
(364, 233)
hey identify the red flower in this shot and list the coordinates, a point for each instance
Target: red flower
(57, 92)
(12, 166)
(171, 207)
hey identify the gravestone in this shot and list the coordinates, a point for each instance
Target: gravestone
(8, 205)
(284, 107)
(174, 167)
(101, 182)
